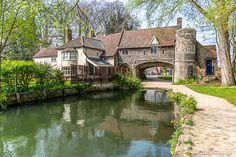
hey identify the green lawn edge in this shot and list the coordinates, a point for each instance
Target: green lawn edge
(228, 93)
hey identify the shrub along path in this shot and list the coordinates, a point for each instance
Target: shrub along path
(214, 130)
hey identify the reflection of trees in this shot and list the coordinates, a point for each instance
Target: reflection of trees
(105, 131)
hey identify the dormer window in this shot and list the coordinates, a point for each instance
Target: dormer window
(69, 55)
(153, 48)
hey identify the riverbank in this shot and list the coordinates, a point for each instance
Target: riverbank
(20, 98)
(214, 127)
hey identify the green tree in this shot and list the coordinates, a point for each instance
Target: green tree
(15, 17)
(217, 13)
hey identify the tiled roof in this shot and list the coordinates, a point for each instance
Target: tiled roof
(93, 43)
(142, 38)
(138, 38)
(46, 52)
(110, 42)
(84, 41)
(211, 49)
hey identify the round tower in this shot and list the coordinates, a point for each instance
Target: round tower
(185, 54)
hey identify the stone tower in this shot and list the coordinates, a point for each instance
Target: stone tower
(185, 54)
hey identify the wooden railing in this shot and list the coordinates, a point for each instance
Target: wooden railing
(91, 73)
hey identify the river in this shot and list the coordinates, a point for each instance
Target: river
(106, 124)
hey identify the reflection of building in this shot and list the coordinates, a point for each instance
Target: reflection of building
(66, 113)
(136, 131)
(110, 128)
(156, 96)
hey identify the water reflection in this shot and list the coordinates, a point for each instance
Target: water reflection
(106, 124)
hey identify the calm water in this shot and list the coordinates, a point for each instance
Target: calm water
(101, 125)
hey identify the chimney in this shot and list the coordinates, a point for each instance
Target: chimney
(179, 22)
(69, 34)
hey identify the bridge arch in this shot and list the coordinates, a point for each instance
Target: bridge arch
(140, 68)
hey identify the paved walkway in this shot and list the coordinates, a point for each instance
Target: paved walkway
(214, 130)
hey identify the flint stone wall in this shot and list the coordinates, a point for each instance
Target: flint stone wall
(185, 54)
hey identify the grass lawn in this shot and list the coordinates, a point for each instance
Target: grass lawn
(226, 93)
(165, 77)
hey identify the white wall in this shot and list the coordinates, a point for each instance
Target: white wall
(111, 60)
(82, 58)
(45, 60)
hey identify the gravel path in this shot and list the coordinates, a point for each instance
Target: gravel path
(214, 130)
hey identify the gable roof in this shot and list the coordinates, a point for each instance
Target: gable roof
(142, 38)
(111, 42)
(126, 39)
(46, 52)
(154, 40)
(84, 42)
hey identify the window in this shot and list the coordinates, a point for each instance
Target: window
(69, 55)
(54, 59)
(154, 48)
(66, 71)
(125, 52)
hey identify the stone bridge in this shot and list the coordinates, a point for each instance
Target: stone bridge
(182, 57)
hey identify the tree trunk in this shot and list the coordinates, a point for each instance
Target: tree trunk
(227, 77)
(67, 34)
(1, 68)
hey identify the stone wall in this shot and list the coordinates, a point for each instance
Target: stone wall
(138, 56)
(188, 57)
(20, 98)
(202, 55)
(185, 54)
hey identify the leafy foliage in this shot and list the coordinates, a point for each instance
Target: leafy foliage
(187, 106)
(174, 140)
(3, 100)
(20, 76)
(187, 103)
(127, 81)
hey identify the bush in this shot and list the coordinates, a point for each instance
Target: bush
(174, 140)
(3, 100)
(67, 84)
(23, 76)
(127, 81)
(187, 105)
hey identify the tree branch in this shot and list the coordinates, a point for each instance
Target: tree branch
(202, 10)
